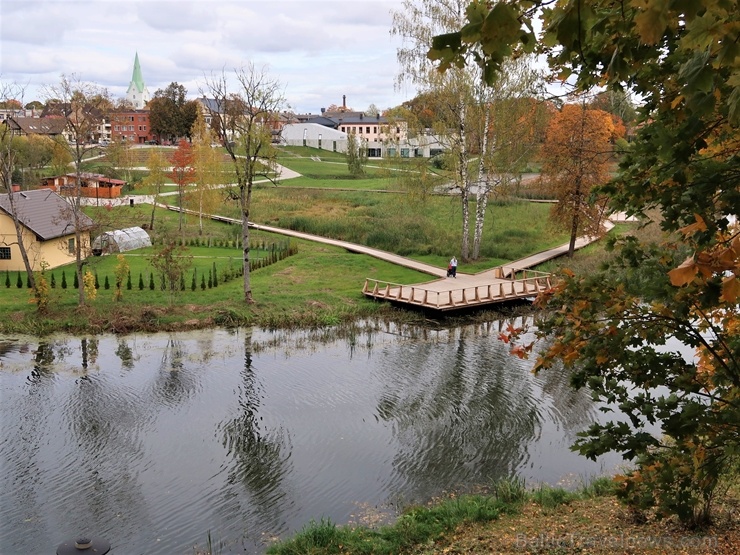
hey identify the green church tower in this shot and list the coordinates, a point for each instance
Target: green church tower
(137, 93)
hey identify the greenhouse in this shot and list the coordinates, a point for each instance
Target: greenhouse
(121, 240)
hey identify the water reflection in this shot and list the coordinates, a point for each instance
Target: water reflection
(257, 457)
(156, 440)
(463, 412)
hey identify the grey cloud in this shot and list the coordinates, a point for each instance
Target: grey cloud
(178, 16)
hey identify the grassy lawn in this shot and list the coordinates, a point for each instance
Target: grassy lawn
(427, 230)
(318, 285)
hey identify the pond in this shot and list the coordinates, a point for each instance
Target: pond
(156, 442)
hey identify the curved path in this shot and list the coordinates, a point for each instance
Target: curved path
(472, 279)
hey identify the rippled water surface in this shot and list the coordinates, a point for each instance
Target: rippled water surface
(155, 441)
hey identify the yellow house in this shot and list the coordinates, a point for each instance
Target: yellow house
(47, 223)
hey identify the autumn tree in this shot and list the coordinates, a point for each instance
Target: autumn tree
(61, 157)
(248, 112)
(617, 329)
(83, 107)
(171, 261)
(575, 159)
(118, 156)
(158, 167)
(182, 172)
(415, 23)
(372, 111)
(171, 115)
(462, 105)
(33, 153)
(8, 162)
(503, 121)
(207, 174)
(356, 155)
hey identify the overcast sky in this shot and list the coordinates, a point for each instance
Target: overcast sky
(317, 49)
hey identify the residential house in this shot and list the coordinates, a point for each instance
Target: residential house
(50, 126)
(47, 230)
(92, 185)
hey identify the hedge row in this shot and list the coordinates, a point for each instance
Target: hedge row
(275, 253)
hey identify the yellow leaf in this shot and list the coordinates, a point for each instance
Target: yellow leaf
(684, 273)
(730, 289)
(676, 101)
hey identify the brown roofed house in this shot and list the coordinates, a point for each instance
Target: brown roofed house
(47, 229)
(51, 127)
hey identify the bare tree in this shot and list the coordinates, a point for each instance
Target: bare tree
(8, 161)
(248, 118)
(83, 106)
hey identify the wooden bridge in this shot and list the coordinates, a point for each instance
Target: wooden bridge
(502, 284)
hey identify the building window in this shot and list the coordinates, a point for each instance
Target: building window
(71, 246)
(4, 253)
(117, 128)
(404, 153)
(375, 129)
(367, 130)
(343, 129)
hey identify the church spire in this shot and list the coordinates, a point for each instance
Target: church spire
(137, 78)
(137, 93)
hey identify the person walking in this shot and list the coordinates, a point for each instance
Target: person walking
(453, 267)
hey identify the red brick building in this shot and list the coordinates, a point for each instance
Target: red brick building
(132, 126)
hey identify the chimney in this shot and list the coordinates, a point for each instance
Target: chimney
(361, 114)
(344, 101)
(322, 111)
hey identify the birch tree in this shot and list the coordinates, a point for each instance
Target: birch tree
(503, 120)
(465, 107)
(206, 166)
(83, 106)
(248, 114)
(416, 23)
(158, 166)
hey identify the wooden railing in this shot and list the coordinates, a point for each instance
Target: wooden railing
(464, 296)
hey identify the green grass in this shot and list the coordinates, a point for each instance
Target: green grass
(320, 285)
(419, 526)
